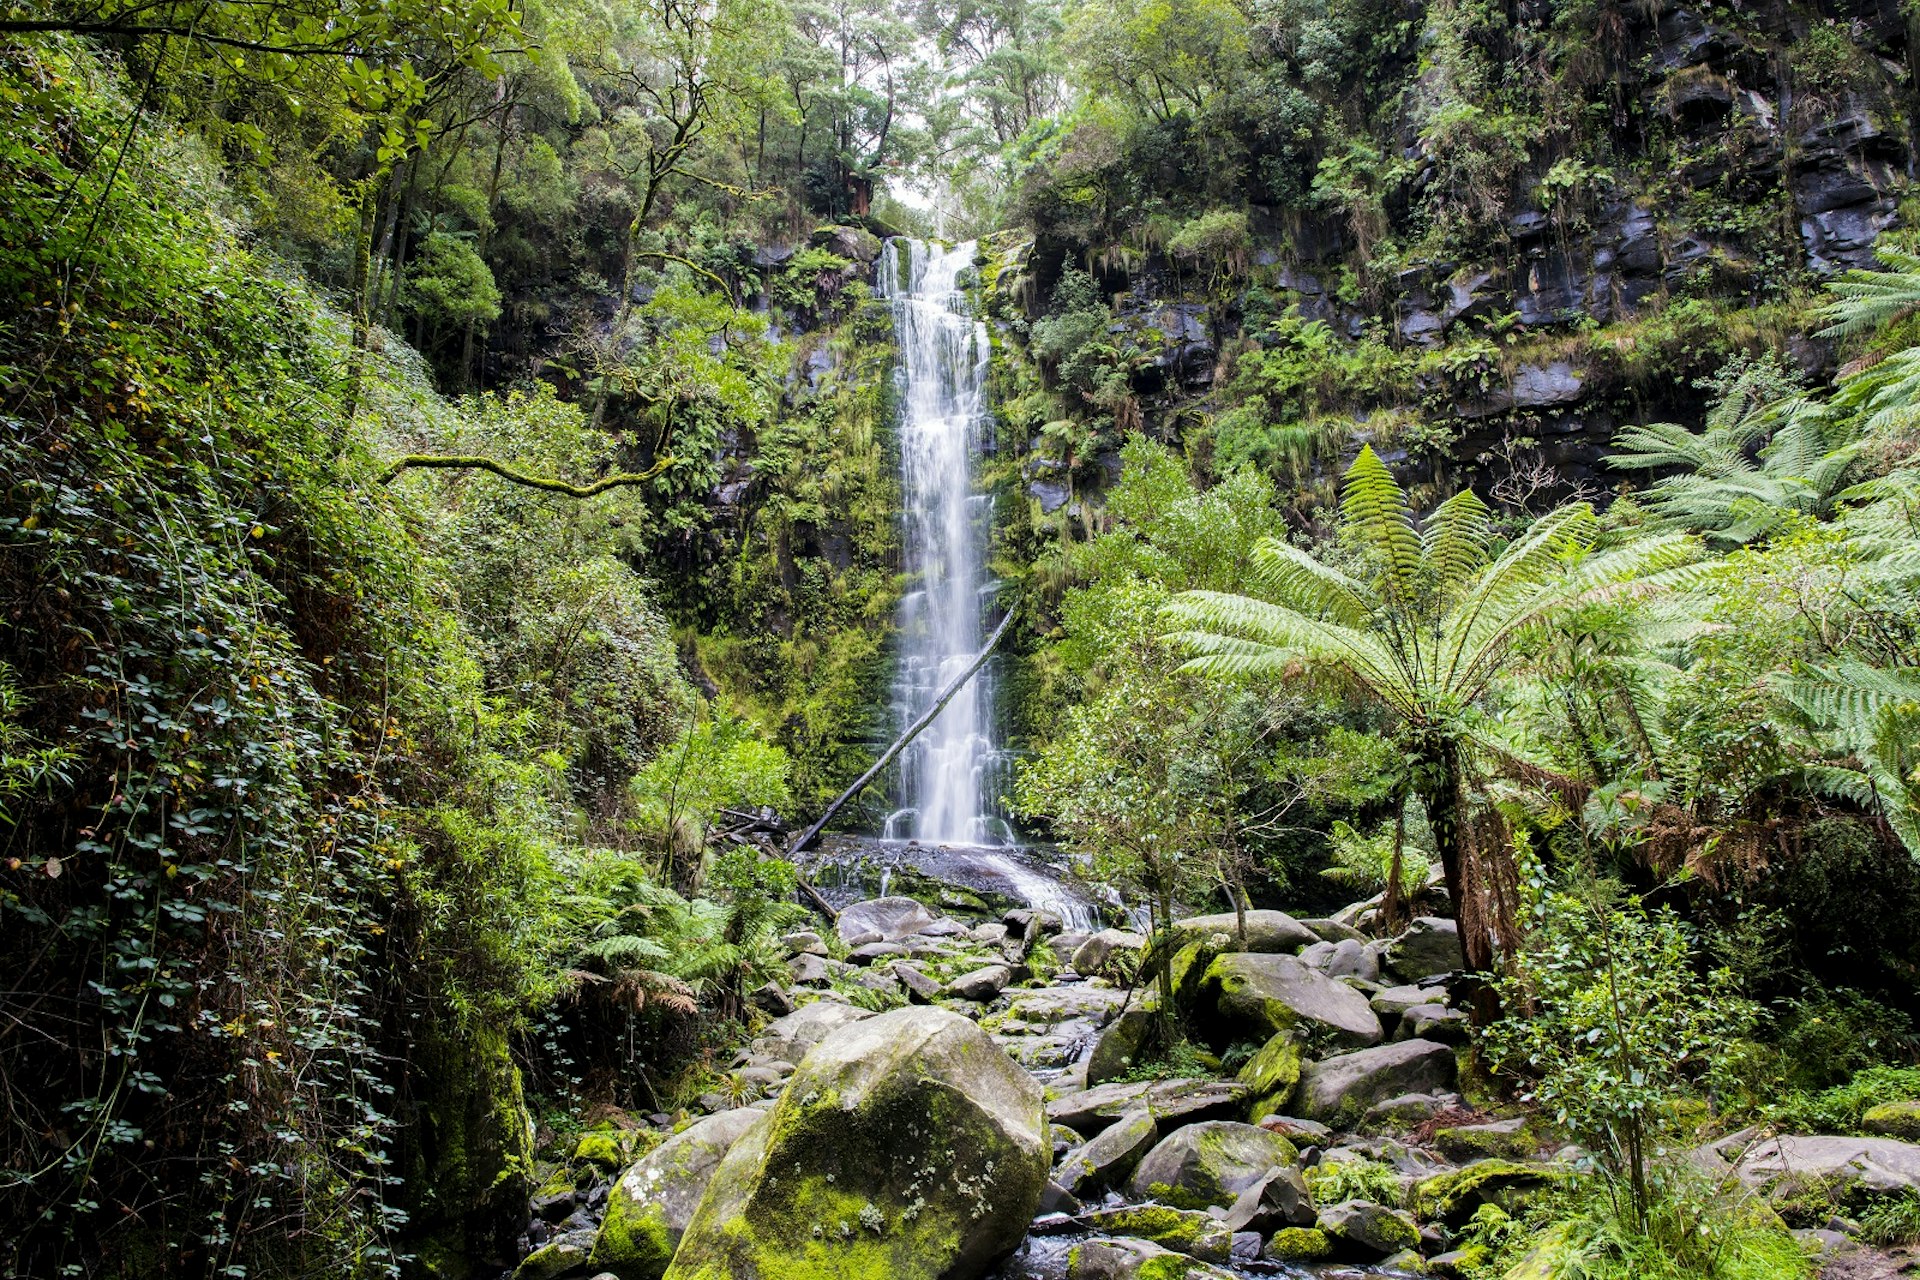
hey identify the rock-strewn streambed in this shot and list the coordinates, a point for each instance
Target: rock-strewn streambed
(997, 1121)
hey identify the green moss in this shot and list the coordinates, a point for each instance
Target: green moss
(1894, 1120)
(1299, 1244)
(1472, 1142)
(1452, 1197)
(603, 1150)
(1273, 1073)
(1192, 1232)
(881, 1188)
(635, 1241)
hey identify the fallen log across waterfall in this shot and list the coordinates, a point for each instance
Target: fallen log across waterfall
(926, 718)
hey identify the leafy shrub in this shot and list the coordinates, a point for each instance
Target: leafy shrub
(1690, 1230)
(1609, 1022)
(1218, 238)
(1892, 1220)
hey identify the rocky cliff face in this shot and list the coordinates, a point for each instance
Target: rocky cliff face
(1729, 160)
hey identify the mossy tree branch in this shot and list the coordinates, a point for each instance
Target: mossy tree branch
(463, 462)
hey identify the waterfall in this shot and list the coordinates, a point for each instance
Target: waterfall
(946, 772)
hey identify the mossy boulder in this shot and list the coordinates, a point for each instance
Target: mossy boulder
(907, 1145)
(1121, 1044)
(557, 1257)
(1543, 1261)
(604, 1149)
(466, 1150)
(1453, 1196)
(1135, 1260)
(1209, 1164)
(1374, 1230)
(1298, 1244)
(1271, 1075)
(1508, 1139)
(649, 1207)
(1341, 1089)
(1109, 945)
(1189, 1231)
(1271, 994)
(1267, 931)
(1894, 1120)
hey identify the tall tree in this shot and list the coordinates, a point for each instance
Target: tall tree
(1423, 628)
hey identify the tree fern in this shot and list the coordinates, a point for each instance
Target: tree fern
(1872, 714)
(1866, 300)
(1426, 645)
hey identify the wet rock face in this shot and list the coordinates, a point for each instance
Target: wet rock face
(906, 1145)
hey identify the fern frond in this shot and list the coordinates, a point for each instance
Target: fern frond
(1455, 542)
(1297, 580)
(1865, 300)
(1374, 510)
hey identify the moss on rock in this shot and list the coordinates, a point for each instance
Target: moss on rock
(1299, 1244)
(1452, 1197)
(1894, 1120)
(1272, 1074)
(907, 1145)
(1188, 1231)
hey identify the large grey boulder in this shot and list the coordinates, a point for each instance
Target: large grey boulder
(1209, 1163)
(1267, 931)
(1266, 994)
(1111, 1154)
(906, 1145)
(1352, 959)
(649, 1207)
(881, 920)
(1787, 1168)
(981, 984)
(788, 1039)
(1429, 947)
(1092, 956)
(1178, 1100)
(1339, 1090)
(1370, 1228)
(1279, 1199)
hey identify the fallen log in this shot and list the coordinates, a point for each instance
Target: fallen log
(954, 686)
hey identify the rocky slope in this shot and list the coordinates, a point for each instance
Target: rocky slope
(995, 1121)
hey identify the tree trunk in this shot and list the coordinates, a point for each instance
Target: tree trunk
(1485, 902)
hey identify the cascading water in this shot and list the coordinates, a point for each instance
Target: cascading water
(949, 774)
(942, 374)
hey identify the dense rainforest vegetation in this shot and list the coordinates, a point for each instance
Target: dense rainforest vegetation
(1459, 452)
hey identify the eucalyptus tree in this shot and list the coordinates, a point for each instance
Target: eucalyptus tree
(1424, 627)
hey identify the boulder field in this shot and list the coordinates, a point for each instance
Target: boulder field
(997, 1117)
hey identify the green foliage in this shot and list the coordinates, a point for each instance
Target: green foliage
(811, 278)
(449, 284)
(1892, 1220)
(1839, 1109)
(1690, 1230)
(1611, 1024)
(1362, 863)
(1332, 1181)
(718, 763)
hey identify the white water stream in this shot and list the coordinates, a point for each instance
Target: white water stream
(946, 771)
(951, 775)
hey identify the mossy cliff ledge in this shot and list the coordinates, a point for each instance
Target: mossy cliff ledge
(907, 1145)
